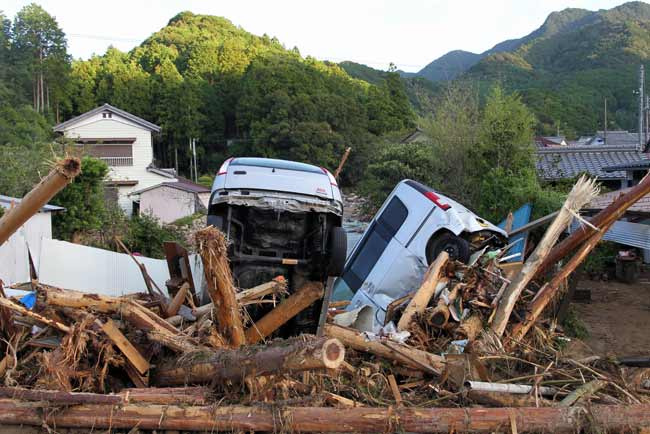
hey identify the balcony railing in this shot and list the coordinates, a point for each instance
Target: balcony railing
(118, 161)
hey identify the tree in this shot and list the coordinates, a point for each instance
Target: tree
(39, 48)
(83, 200)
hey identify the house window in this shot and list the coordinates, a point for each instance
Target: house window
(107, 115)
(114, 154)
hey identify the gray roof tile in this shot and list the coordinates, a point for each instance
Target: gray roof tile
(569, 161)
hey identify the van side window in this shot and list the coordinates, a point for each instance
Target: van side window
(374, 243)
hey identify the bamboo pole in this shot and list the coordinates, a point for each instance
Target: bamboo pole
(606, 217)
(421, 299)
(287, 309)
(291, 355)
(611, 418)
(62, 174)
(548, 292)
(582, 192)
(212, 246)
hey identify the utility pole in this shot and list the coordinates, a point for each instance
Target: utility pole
(647, 120)
(191, 160)
(196, 171)
(641, 104)
(605, 128)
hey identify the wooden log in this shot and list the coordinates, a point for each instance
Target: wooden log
(130, 352)
(296, 354)
(606, 217)
(178, 343)
(440, 314)
(423, 295)
(397, 395)
(344, 158)
(582, 192)
(151, 395)
(401, 353)
(174, 306)
(287, 309)
(469, 328)
(610, 418)
(62, 174)
(583, 391)
(5, 302)
(549, 291)
(212, 246)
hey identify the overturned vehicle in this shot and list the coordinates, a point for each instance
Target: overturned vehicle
(281, 218)
(411, 228)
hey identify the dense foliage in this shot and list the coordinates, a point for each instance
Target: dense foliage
(202, 77)
(481, 157)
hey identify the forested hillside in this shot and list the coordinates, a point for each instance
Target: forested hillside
(202, 77)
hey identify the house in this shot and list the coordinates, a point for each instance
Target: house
(566, 162)
(124, 142)
(550, 141)
(188, 198)
(14, 253)
(611, 138)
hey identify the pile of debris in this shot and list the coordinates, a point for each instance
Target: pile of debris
(474, 348)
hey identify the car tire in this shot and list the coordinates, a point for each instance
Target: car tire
(457, 247)
(338, 249)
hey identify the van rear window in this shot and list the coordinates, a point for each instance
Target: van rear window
(276, 164)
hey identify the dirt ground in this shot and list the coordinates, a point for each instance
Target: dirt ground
(618, 317)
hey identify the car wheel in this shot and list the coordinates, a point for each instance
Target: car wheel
(457, 247)
(338, 249)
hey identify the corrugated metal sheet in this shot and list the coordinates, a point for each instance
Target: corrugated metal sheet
(88, 269)
(627, 233)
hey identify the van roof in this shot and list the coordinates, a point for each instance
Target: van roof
(276, 164)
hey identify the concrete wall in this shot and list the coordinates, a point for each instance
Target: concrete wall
(167, 203)
(99, 127)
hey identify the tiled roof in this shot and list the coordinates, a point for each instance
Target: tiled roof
(614, 138)
(636, 165)
(604, 200)
(180, 184)
(569, 161)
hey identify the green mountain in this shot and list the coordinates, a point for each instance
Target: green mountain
(241, 94)
(449, 66)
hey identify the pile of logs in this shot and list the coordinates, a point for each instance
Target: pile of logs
(483, 352)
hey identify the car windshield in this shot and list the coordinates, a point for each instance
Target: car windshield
(275, 164)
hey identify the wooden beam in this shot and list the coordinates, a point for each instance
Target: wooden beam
(126, 347)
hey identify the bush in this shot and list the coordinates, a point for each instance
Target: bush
(146, 236)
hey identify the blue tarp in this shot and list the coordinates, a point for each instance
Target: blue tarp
(520, 218)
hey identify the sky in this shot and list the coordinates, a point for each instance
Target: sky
(408, 33)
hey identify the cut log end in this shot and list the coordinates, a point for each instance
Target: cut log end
(333, 353)
(69, 167)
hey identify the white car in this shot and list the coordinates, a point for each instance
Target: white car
(408, 232)
(281, 218)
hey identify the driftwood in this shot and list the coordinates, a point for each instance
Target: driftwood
(212, 246)
(405, 354)
(6, 303)
(469, 328)
(296, 354)
(582, 192)
(423, 295)
(440, 314)
(286, 310)
(612, 418)
(62, 174)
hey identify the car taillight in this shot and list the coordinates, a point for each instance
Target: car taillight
(436, 199)
(330, 177)
(224, 167)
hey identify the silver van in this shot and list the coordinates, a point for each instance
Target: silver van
(411, 228)
(281, 218)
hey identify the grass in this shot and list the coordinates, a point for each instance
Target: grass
(573, 325)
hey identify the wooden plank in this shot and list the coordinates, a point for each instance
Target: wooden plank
(127, 348)
(393, 387)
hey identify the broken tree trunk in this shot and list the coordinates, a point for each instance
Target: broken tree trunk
(62, 174)
(469, 328)
(126, 347)
(405, 354)
(440, 314)
(548, 292)
(582, 192)
(611, 418)
(607, 216)
(296, 354)
(421, 299)
(212, 246)
(287, 309)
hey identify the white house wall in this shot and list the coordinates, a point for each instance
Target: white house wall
(167, 203)
(13, 253)
(118, 127)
